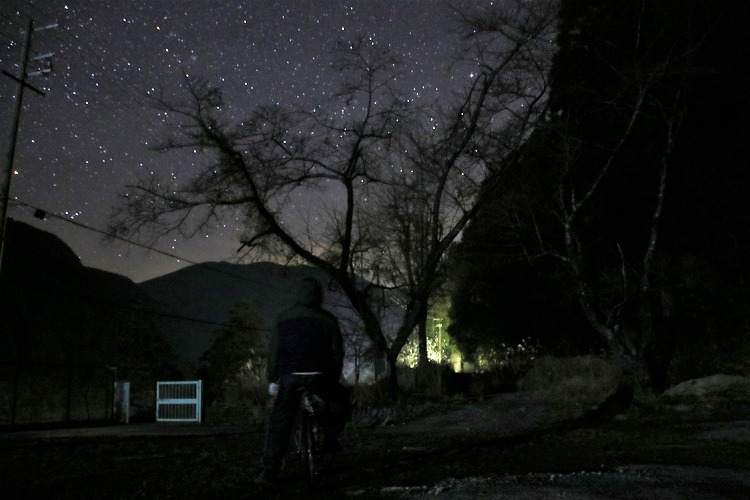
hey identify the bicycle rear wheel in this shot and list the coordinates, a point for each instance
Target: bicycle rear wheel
(310, 448)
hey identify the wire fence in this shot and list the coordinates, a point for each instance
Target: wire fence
(46, 394)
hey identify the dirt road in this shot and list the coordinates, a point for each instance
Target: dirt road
(510, 446)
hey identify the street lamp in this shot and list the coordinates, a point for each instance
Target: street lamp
(437, 324)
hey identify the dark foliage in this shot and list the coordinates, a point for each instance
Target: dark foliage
(236, 345)
(695, 60)
(61, 319)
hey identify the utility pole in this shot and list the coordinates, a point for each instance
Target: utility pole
(20, 88)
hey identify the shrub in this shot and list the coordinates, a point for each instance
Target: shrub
(572, 378)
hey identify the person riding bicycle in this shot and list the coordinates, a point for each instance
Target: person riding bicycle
(305, 350)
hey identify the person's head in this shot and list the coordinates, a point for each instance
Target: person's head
(310, 292)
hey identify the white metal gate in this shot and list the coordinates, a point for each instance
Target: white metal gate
(178, 401)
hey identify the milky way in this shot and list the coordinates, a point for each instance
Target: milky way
(93, 130)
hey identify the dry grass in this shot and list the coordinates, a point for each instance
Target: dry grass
(579, 378)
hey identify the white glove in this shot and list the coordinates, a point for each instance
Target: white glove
(273, 389)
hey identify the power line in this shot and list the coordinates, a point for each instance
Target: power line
(153, 312)
(266, 284)
(103, 82)
(47, 213)
(101, 72)
(117, 306)
(21, 85)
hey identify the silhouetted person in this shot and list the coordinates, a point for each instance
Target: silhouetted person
(305, 350)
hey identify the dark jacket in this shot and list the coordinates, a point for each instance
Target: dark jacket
(306, 338)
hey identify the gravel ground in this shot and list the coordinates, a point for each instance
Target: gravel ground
(511, 446)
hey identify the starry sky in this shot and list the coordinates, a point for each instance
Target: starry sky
(94, 130)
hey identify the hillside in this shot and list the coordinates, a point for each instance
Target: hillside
(59, 310)
(198, 298)
(67, 331)
(54, 309)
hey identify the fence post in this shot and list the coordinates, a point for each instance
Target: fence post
(122, 402)
(14, 404)
(70, 392)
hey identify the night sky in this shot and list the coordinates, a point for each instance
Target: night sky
(92, 133)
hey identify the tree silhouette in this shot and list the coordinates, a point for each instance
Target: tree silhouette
(237, 348)
(387, 185)
(598, 203)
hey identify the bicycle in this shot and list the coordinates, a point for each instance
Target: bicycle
(307, 434)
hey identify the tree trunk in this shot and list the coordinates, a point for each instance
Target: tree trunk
(422, 333)
(660, 341)
(392, 380)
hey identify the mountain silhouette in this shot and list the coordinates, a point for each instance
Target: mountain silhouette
(58, 310)
(197, 299)
(54, 310)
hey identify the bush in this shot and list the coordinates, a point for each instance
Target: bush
(580, 378)
(240, 402)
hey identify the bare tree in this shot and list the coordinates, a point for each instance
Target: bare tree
(603, 304)
(642, 110)
(387, 186)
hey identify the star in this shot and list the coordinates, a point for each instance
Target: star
(93, 130)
